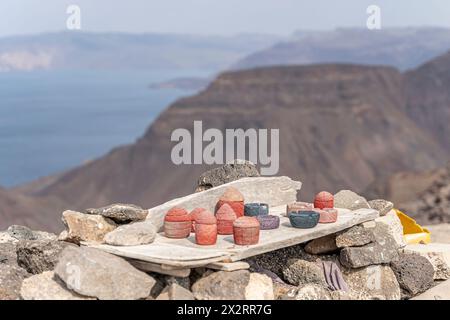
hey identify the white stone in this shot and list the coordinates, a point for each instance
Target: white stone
(395, 227)
(260, 287)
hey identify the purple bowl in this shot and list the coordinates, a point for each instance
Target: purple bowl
(268, 222)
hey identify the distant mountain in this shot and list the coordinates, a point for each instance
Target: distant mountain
(403, 48)
(341, 126)
(188, 83)
(80, 50)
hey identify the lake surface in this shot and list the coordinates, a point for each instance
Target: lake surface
(52, 121)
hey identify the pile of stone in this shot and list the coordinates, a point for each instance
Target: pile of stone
(117, 224)
(366, 261)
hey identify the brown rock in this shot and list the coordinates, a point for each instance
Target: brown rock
(322, 245)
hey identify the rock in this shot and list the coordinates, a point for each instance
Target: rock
(356, 236)
(372, 283)
(395, 227)
(37, 256)
(134, 234)
(94, 273)
(260, 287)
(301, 272)
(235, 285)
(175, 292)
(309, 292)
(438, 254)
(414, 273)
(120, 213)
(383, 250)
(225, 174)
(350, 200)
(322, 245)
(283, 290)
(5, 237)
(8, 253)
(46, 286)
(11, 278)
(439, 292)
(21, 233)
(275, 191)
(382, 206)
(86, 227)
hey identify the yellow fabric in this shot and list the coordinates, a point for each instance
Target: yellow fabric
(412, 231)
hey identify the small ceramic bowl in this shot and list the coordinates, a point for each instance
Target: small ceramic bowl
(304, 219)
(296, 206)
(256, 209)
(268, 222)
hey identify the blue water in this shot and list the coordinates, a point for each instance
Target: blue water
(52, 121)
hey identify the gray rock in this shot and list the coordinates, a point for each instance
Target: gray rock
(226, 173)
(134, 234)
(300, 272)
(322, 245)
(355, 237)
(5, 237)
(175, 292)
(350, 200)
(382, 251)
(37, 256)
(21, 233)
(394, 227)
(11, 278)
(121, 213)
(94, 273)
(414, 273)
(376, 282)
(283, 291)
(437, 253)
(235, 285)
(46, 286)
(382, 206)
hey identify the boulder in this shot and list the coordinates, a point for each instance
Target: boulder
(37, 256)
(438, 254)
(86, 227)
(275, 191)
(322, 245)
(283, 291)
(175, 292)
(350, 200)
(225, 174)
(134, 234)
(394, 227)
(46, 286)
(11, 278)
(120, 213)
(94, 273)
(356, 236)
(382, 206)
(301, 272)
(376, 282)
(414, 273)
(235, 285)
(382, 251)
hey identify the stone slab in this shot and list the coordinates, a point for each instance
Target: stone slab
(274, 191)
(186, 253)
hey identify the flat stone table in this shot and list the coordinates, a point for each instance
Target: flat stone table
(177, 254)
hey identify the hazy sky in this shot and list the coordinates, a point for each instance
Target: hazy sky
(216, 16)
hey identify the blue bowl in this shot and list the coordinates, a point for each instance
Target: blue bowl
(256, 209)
(304, 219)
